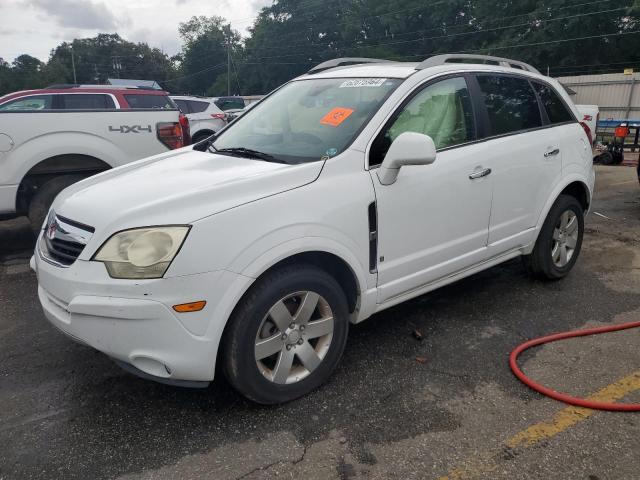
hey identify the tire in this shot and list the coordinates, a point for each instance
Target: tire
(265, 377)
(604, 159)
(44, 197)
(617, 158)
(198, 137)
(547, 260)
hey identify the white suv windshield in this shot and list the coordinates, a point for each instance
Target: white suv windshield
(308, 120)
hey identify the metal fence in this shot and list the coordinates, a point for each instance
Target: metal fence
(616, 94)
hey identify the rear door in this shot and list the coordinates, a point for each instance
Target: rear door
(524, 156)
(570, 137)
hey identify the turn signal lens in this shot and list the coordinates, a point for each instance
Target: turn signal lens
(190, 307)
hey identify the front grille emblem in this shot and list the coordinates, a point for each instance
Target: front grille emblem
(63, 240)
(51, 229)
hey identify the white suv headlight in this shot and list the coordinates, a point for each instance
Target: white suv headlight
(141, 252)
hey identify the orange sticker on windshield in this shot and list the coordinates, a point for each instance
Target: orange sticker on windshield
(336, 116)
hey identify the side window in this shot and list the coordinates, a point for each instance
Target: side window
(183, 105)
(511, 104)
(230, 103)
(557, 111)
(33, 102)
(197, 107)
(86, 101)
(161, 102)
(442, 110)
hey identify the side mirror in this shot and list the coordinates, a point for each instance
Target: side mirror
(409, 148)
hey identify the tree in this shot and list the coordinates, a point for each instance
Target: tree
(204, 54)
(110, 56)
(290, 36)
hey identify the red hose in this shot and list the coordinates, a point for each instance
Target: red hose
(580, 402)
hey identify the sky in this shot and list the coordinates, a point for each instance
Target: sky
(35, 27)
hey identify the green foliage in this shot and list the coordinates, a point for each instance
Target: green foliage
(290, 36)
(96, 59)
(204, 54)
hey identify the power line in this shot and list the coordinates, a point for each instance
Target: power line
(592, 65)
(533, 44)
(479, 50)
(170, 80)
(592, 72)
(485, 21)
(432, 53)
(366, 45)
(474, 32)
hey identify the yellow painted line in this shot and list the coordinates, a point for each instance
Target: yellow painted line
(560, 422)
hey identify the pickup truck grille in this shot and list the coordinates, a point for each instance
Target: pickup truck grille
(63, 240)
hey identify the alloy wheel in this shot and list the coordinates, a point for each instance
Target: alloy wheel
(294, 337)
(565, 238)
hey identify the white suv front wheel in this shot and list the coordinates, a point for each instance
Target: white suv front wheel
(287, 334)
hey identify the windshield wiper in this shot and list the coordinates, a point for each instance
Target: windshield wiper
(248, 153)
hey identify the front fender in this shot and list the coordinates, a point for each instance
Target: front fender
(252, 266)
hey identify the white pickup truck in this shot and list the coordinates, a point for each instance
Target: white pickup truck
(42, 152)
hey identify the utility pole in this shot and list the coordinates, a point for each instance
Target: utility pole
(117, 66)
(228, 60)
(73, 66)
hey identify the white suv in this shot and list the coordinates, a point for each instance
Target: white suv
(205, 117)
(346, 191)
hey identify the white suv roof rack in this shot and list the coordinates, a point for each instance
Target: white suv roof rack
(340, 62)
(429, 62)
(482, 59)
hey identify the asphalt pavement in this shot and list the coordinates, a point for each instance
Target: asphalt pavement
(396, 408)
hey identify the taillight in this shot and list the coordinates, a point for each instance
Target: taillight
(170, 134)
(186, 131)
(587, 130)
(219, 116)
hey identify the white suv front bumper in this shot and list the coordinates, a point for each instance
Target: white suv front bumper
(132, 320)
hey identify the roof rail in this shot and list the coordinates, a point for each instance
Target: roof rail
(63, 86)
(339, 62)
(483, 59)
(59, 86)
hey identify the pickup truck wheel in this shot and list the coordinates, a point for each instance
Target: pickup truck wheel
(559, 241)
(44, 197)
(287, 334)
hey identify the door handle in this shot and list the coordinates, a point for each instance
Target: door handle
(552, 153)
(480, 174)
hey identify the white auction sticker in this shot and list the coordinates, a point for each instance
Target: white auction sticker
(363, 82)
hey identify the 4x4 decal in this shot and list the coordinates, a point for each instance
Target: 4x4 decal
(130, 128)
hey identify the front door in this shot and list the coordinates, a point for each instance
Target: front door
(433, 221)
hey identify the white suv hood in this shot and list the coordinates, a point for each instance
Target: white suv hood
(177, 189)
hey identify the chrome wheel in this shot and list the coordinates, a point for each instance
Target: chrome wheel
(294, 337)
(565, 238)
